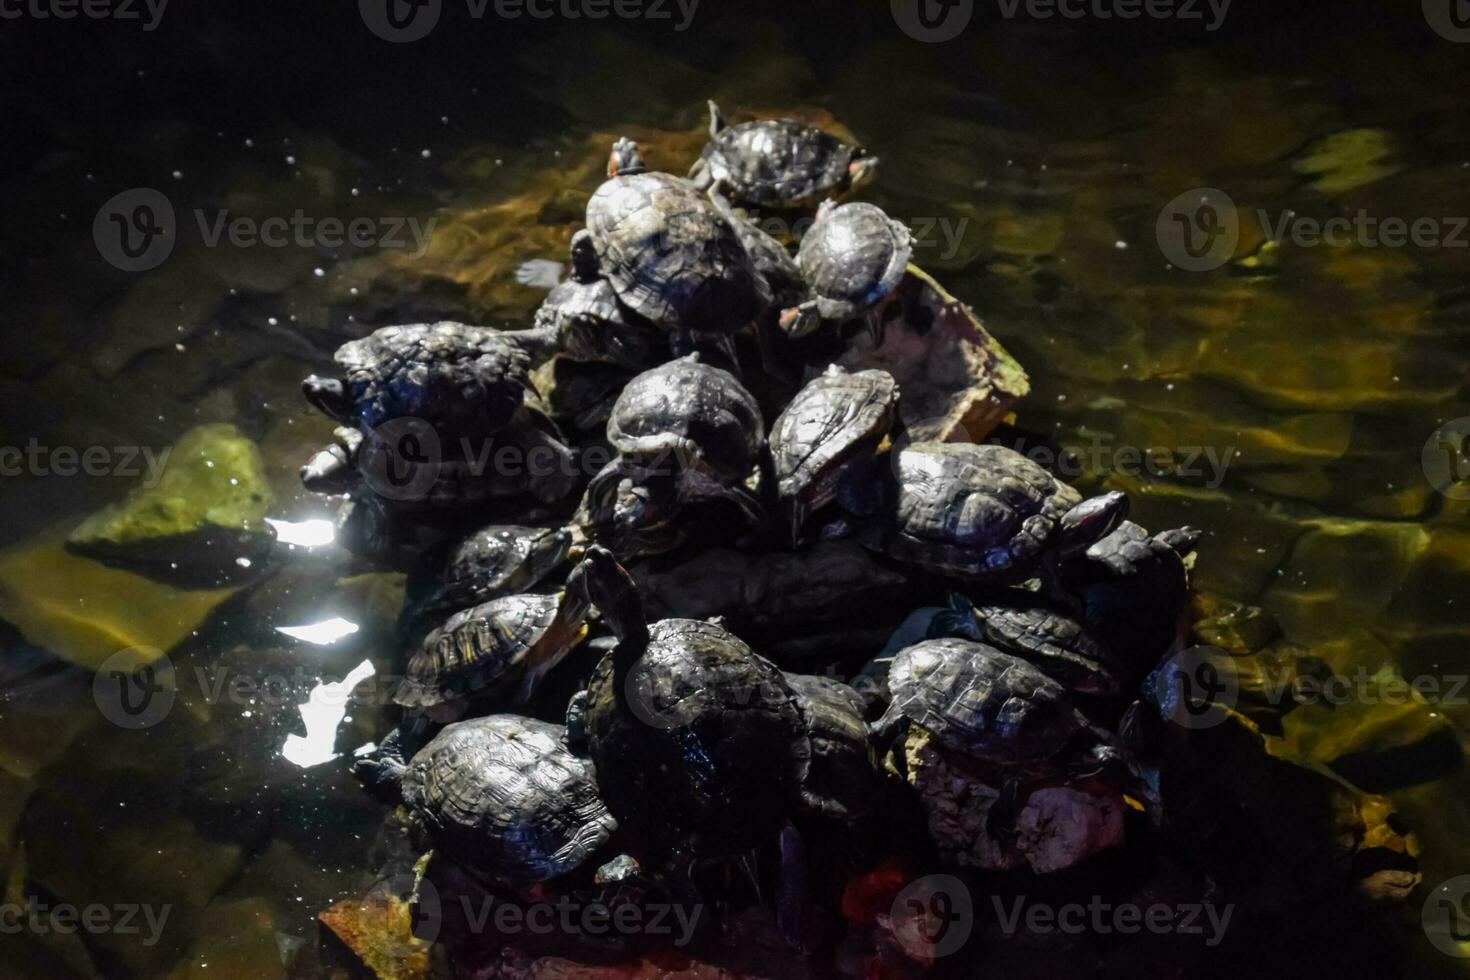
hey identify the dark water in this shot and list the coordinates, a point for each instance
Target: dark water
(1294, 387)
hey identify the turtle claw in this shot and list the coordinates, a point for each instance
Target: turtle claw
(539, 273)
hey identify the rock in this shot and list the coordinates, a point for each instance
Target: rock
(1056, 827)
(378, 930)
(85, 612)
(956, 381)
(199, 522)
(237, 941)
(1237, 629)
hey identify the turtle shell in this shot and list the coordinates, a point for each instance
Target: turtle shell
(504, 797)
(770, 258)
(699, 739)
(975, 510)
(498, 647)
(692, 414)
(853, 256)
(465, 379)
(592, 325)
(494, 561)
(979, 701)
(1058, 644)
(779, 163)
(829, 422)
(671, 256)
(840, 781)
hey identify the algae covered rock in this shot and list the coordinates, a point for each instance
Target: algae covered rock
(196, 522)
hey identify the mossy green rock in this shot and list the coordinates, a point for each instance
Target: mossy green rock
(200, 521)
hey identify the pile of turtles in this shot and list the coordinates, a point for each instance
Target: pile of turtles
(690, 612)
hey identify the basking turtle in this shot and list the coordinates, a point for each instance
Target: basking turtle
(777, 163)
(1008, 772)
(458, 378)
(825, 444)
(852, 257)
(684, 432)
(669, 253)
(592, 325)
(988, 512)
(1053, 641)
(1133, 587)
(497, 650)
(494, 561)
(503, 797)
(987, 704)
(699, 742)
(840, 785)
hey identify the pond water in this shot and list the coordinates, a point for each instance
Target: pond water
(1300, 399)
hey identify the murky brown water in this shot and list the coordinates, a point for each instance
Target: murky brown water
(1294, 387)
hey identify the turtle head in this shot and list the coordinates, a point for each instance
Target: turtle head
(1182, 539)
(584, 258)
(862, 170)
(801, 321)
(329, 396)
(632, 510)
(607, 585)
(625, 160)
(1090, 522)
(717, 122)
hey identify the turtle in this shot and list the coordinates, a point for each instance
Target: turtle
(851, 258)
(779, 163)
(496, 560)
(461, 379)
(503, 797)
(989, 705)
(498, 650)
(824, 445)
(1132, 588)
(698, 741)
(684, 431)
(591, 324)
(1052, 640)
(840, 786)
(987, 513)
(669, 253)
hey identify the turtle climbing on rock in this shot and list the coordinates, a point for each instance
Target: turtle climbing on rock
(779, 163)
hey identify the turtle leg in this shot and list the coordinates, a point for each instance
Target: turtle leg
(539, 273)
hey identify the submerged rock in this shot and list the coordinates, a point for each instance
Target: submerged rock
(197, 522)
